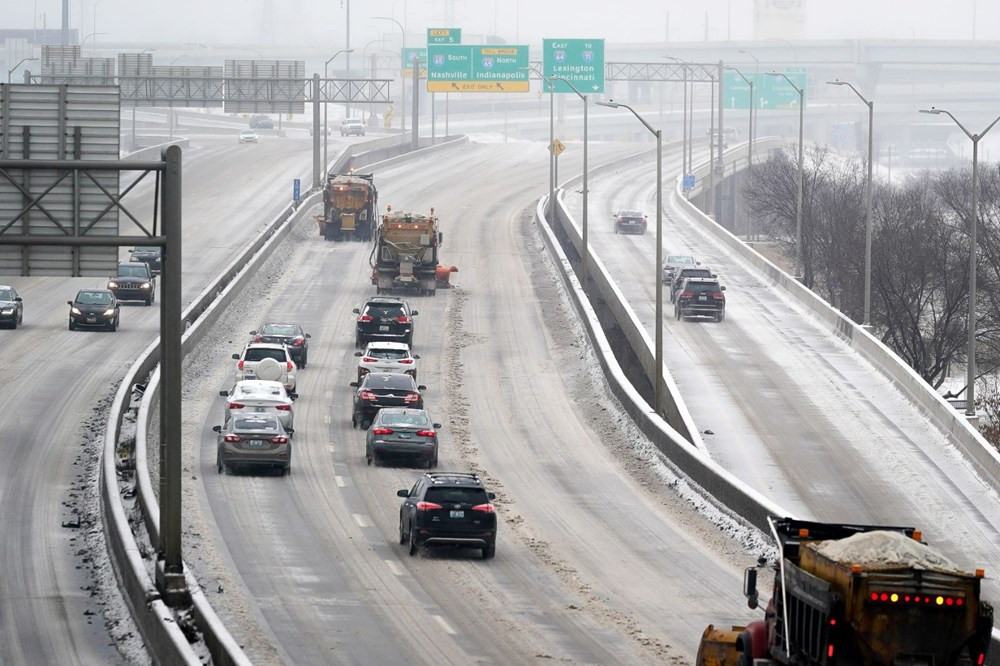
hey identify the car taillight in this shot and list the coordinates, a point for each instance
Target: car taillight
(368, 359)
(366, 318)
(403, 320)
(718, 295)
(367, 395)
(485, 508)
(406, 361)
(411, 397)
(256, 338)
(284, 408)
(235, 405)
(298, 342)
(382, 431)
(280, 439)
(288, 364)
(426, 433)
(427, 506)
(232, 438)
(687, 294)
(240, 365)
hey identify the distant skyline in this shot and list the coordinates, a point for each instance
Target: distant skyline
(308, 22)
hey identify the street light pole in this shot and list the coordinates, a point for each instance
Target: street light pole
(685, 160)
(326, 130)
(970, 406)
(402, 81)
(586, 190)
(798, 196)
(749, 82)
(20, 62)
(658, 388)
(868, 199)
(552, 152)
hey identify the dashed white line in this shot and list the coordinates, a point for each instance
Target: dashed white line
(341, 483)
(330, 448)
(361, 520)
(393, 568)
(444, 625)
(329, 395)
(326, 418)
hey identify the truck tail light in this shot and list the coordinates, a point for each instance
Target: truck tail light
(406, 361)
(240, 365)
(427, 506)
(485, 508)
(368, 359)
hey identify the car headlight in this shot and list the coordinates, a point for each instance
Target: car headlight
(112, 284)
(109, 312)
(7, 311)
(144, 285)
(76, 311)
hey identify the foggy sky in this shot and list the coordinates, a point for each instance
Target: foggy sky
(309, 22)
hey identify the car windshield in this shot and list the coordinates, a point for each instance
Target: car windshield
(703, 287)
(389, 354)
(631, 213)
(261, 389)
(247, 132)
(278, 329)
(260, 353)
(6, 295)
(405, 418)
(696, 272)
(93, 298)
(147, 249)
(679, 260)
(387, 381)
(255, 424)
(455, 495)
(139, 271)
(385, 310)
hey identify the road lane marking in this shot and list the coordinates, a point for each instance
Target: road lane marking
(361, 520)
(329, 395)
(326, 419)
(331, 448)
(340, 481)
(393, 568)
(444, 625)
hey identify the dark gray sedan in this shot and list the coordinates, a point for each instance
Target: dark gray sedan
(402, 433)
(94, 308)
(11, 307)
(257, 441)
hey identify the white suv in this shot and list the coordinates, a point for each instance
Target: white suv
(352, 126)
(387, 357)
(265, 360)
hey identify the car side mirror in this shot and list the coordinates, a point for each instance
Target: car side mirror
(750, 586)
(224, 394)
(69, 302)
(437, 425)
(714, 275)
(19, 299)
(697, 263)
(217, 428)
(356, 311)
(723, 288)
(359, 354)
(354, 384)
(290, 431)
(413, 313)
(236, 357)
(421, 387)
(491, 495)
(253, 332)
(293, 396)
(440, 238)
(402, 493)
(131, 249)
(416, 356)
(308, 336)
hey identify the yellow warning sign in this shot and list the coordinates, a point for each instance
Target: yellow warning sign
(557, 147)
(478, 86)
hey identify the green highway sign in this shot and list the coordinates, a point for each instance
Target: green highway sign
(772, 92)
(579, 61)
(407, 56)
(477, 68)
(444, 35)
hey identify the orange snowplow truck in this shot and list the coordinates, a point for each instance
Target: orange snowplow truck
(857, 594)
(405, 253)
(349, 207)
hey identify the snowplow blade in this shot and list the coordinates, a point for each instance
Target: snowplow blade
(718, 647)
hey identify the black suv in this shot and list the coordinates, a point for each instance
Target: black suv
(448, 508)
(700, 297)
(384, 318)
(133, 281)
(260, 121)
(152, 255)
(383, 389)
(685, 273)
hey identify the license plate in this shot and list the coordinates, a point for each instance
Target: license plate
(249, 377)
(383, 329)
(260, 409)
(702, 298)
(404, 435)
(255, 443)
(91, 319)
(457, 514)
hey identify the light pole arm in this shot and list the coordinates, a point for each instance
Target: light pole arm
(983, 133)
(640, 118)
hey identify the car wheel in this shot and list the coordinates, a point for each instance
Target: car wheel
(287, 471)
(413, 542)
(71, 324)
(720, 316)
(616, 228)
(365, 424)
(403, 536)
(434, 461)
(354, 421)
(368, 457)
(219, 467)
(304, 359)
(489, 551)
